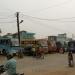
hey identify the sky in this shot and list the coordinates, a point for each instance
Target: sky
(43, 17)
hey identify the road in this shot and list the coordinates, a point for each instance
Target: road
(52, 64)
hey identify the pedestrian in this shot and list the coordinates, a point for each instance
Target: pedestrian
(70, 59)
(34, 50)
(41, 51)
(20, 53)
(10, 65)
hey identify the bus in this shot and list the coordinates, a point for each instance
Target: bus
(28, 44)
(71, 46)
(7, 46)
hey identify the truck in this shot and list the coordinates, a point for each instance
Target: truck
(54, 45)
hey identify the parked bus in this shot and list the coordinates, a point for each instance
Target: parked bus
(7, 46)
(29, 44)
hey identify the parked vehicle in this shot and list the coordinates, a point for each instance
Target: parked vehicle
(30, 46)
(60, 47)
(6, 46)
(52, 46)
(71, 46)
(28, 50)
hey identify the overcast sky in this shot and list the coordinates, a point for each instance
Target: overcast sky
(43, 17)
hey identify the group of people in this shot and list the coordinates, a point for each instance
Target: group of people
(38, 51)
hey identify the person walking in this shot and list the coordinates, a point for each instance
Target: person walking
(70, 59)
(33, 50)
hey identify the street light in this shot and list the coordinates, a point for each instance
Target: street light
(21, 21)
(18, 26)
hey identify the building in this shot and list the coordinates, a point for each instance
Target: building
(62, 38)
(52, 38)
(8, 35)
(23, 35)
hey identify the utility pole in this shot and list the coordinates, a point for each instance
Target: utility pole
(20, 54)
(17, 15)
(73, 36)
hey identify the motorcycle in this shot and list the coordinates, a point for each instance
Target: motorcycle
(2, 70)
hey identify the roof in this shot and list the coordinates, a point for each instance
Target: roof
(24, 32)
(4, 38)
(8, 34)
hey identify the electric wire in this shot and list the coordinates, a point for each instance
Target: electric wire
(46, 25)
(56, 19)
(13, 21)
(54, 6)
(7, 17)
(49, 26)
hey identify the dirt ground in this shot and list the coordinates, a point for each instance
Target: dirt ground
(52, 64)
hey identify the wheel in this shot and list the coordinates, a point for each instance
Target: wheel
(4, 52)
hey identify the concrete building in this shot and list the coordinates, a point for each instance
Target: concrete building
(62, 38)
(52, 38)
(23, 35)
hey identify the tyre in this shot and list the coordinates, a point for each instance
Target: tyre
(4, 52)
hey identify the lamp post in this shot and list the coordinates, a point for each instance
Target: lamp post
(20, 54)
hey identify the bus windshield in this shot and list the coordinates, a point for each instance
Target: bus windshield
(5, 41)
